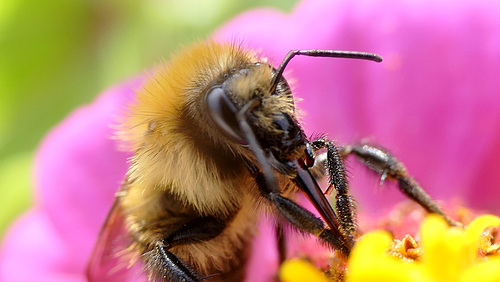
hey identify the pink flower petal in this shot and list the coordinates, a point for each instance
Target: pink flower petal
(78, 171)
(33, 248)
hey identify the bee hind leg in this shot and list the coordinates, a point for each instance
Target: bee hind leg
(166, 266)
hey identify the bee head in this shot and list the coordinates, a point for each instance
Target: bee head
(247, 95)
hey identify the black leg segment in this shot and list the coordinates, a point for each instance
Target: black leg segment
(337, 179)
(390, 167)
(302, 219)
(166, 265)
(281, 242)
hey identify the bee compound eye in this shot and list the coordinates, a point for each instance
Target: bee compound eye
(223, 113)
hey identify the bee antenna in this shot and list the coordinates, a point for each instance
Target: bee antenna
(321, 53)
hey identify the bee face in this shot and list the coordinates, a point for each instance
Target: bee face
(272, 119)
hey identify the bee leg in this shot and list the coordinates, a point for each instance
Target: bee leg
(388, 166)
(295, 214)
(168, 265)
(303, 219)
(280, 238)
(337, 179)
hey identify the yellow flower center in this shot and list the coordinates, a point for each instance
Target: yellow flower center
(444, 254)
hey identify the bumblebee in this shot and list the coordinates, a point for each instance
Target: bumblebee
(217, 141)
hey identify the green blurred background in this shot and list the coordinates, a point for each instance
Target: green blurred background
(59, 54)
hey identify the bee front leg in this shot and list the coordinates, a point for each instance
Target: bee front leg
(337, 179)
(388, 166)
(303, 219)
(166, 266)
